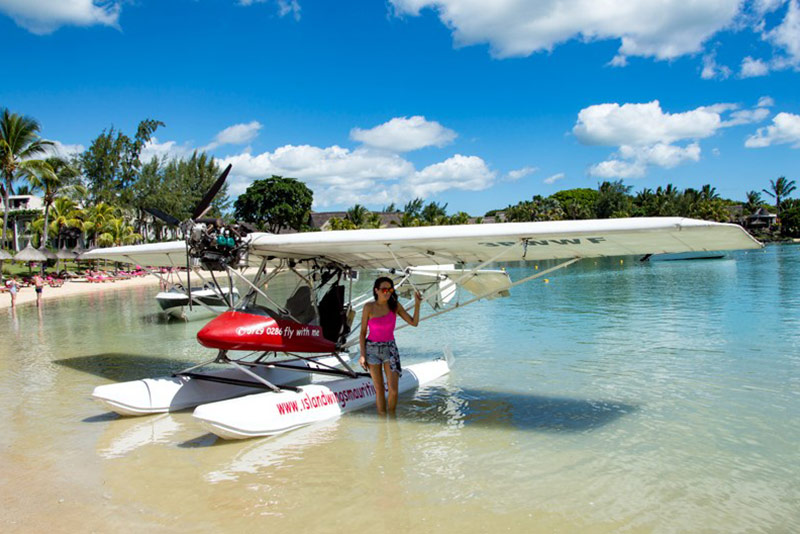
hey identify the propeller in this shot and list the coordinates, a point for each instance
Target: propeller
(187, 226)
(205, 203)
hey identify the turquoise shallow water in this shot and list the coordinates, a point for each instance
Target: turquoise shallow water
(618, 397)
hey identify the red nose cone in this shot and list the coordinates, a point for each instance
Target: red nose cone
(244, 331)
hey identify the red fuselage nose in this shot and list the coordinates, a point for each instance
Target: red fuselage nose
(234, 330)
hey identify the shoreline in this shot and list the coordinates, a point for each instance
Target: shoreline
(27, 295)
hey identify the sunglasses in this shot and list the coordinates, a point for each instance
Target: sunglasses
(385, 290)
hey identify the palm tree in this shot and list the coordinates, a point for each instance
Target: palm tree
(97, 219)
(754, 202)
(708, 193)
(358, 215)
(57, 172)
(19, 145)
(65, 213)
(781, 188)
(118, 232)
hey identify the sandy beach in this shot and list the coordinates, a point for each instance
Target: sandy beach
(27, 295)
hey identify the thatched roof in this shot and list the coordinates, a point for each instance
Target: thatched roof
(5, 255)
(65, 254)
(30, 254)
(47, 254)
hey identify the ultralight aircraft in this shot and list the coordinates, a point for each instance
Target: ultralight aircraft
(266, 391)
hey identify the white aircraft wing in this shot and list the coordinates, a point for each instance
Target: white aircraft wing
(409, 247)
(168, 254)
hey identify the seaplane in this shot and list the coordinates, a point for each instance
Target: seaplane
(283, 358)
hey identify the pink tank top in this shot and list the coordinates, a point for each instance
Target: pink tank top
(382, 328)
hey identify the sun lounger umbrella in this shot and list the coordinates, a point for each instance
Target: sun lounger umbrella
(29, 255)
(5, 255)
(49, 255)
(64, 254)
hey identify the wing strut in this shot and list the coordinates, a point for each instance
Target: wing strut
(496, 257)
(475, 299)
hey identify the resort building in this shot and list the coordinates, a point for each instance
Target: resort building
(23, 210)
(761, 220)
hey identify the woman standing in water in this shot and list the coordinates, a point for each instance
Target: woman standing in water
(378, 350)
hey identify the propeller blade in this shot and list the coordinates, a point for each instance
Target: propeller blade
(204, 204)
(166, 217)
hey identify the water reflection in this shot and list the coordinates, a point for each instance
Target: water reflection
(275, 450)
(128, 434)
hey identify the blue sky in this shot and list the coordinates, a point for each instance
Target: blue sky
(477, 104)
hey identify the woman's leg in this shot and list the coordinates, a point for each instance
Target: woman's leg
(377, 381)
(391, 379)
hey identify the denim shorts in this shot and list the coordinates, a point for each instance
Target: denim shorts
(379, 352)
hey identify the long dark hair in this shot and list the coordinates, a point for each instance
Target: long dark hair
(392, 296)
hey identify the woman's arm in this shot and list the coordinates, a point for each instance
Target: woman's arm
(362, 336)
(413, 321)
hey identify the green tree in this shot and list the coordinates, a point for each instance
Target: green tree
(19, 146)
(358, 215)
(613, 200)
(118, 232)
(577, 203)
(781, 188)
(790, 218)
(335, 223)
(373, 220)
(59, 171)
(537, 209)
(434, 213)
(753, 203)
(64, 213)
(274, 203)
(111, 163)
(461, 217)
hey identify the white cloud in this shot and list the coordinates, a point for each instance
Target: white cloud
(712, 70)
(643, 124)
(404, 134)
(341, 176)
(747, 116)
(665, 29)
(765, 102)
(238, 134)
(554, 178)
(468, 173)
(615, 168)
(633, 161)
(45, 16)
(785, 129)
(170, 149)
(753, 67)
(285, 7)
(786, 35)
(647, 136)
(517, 174)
